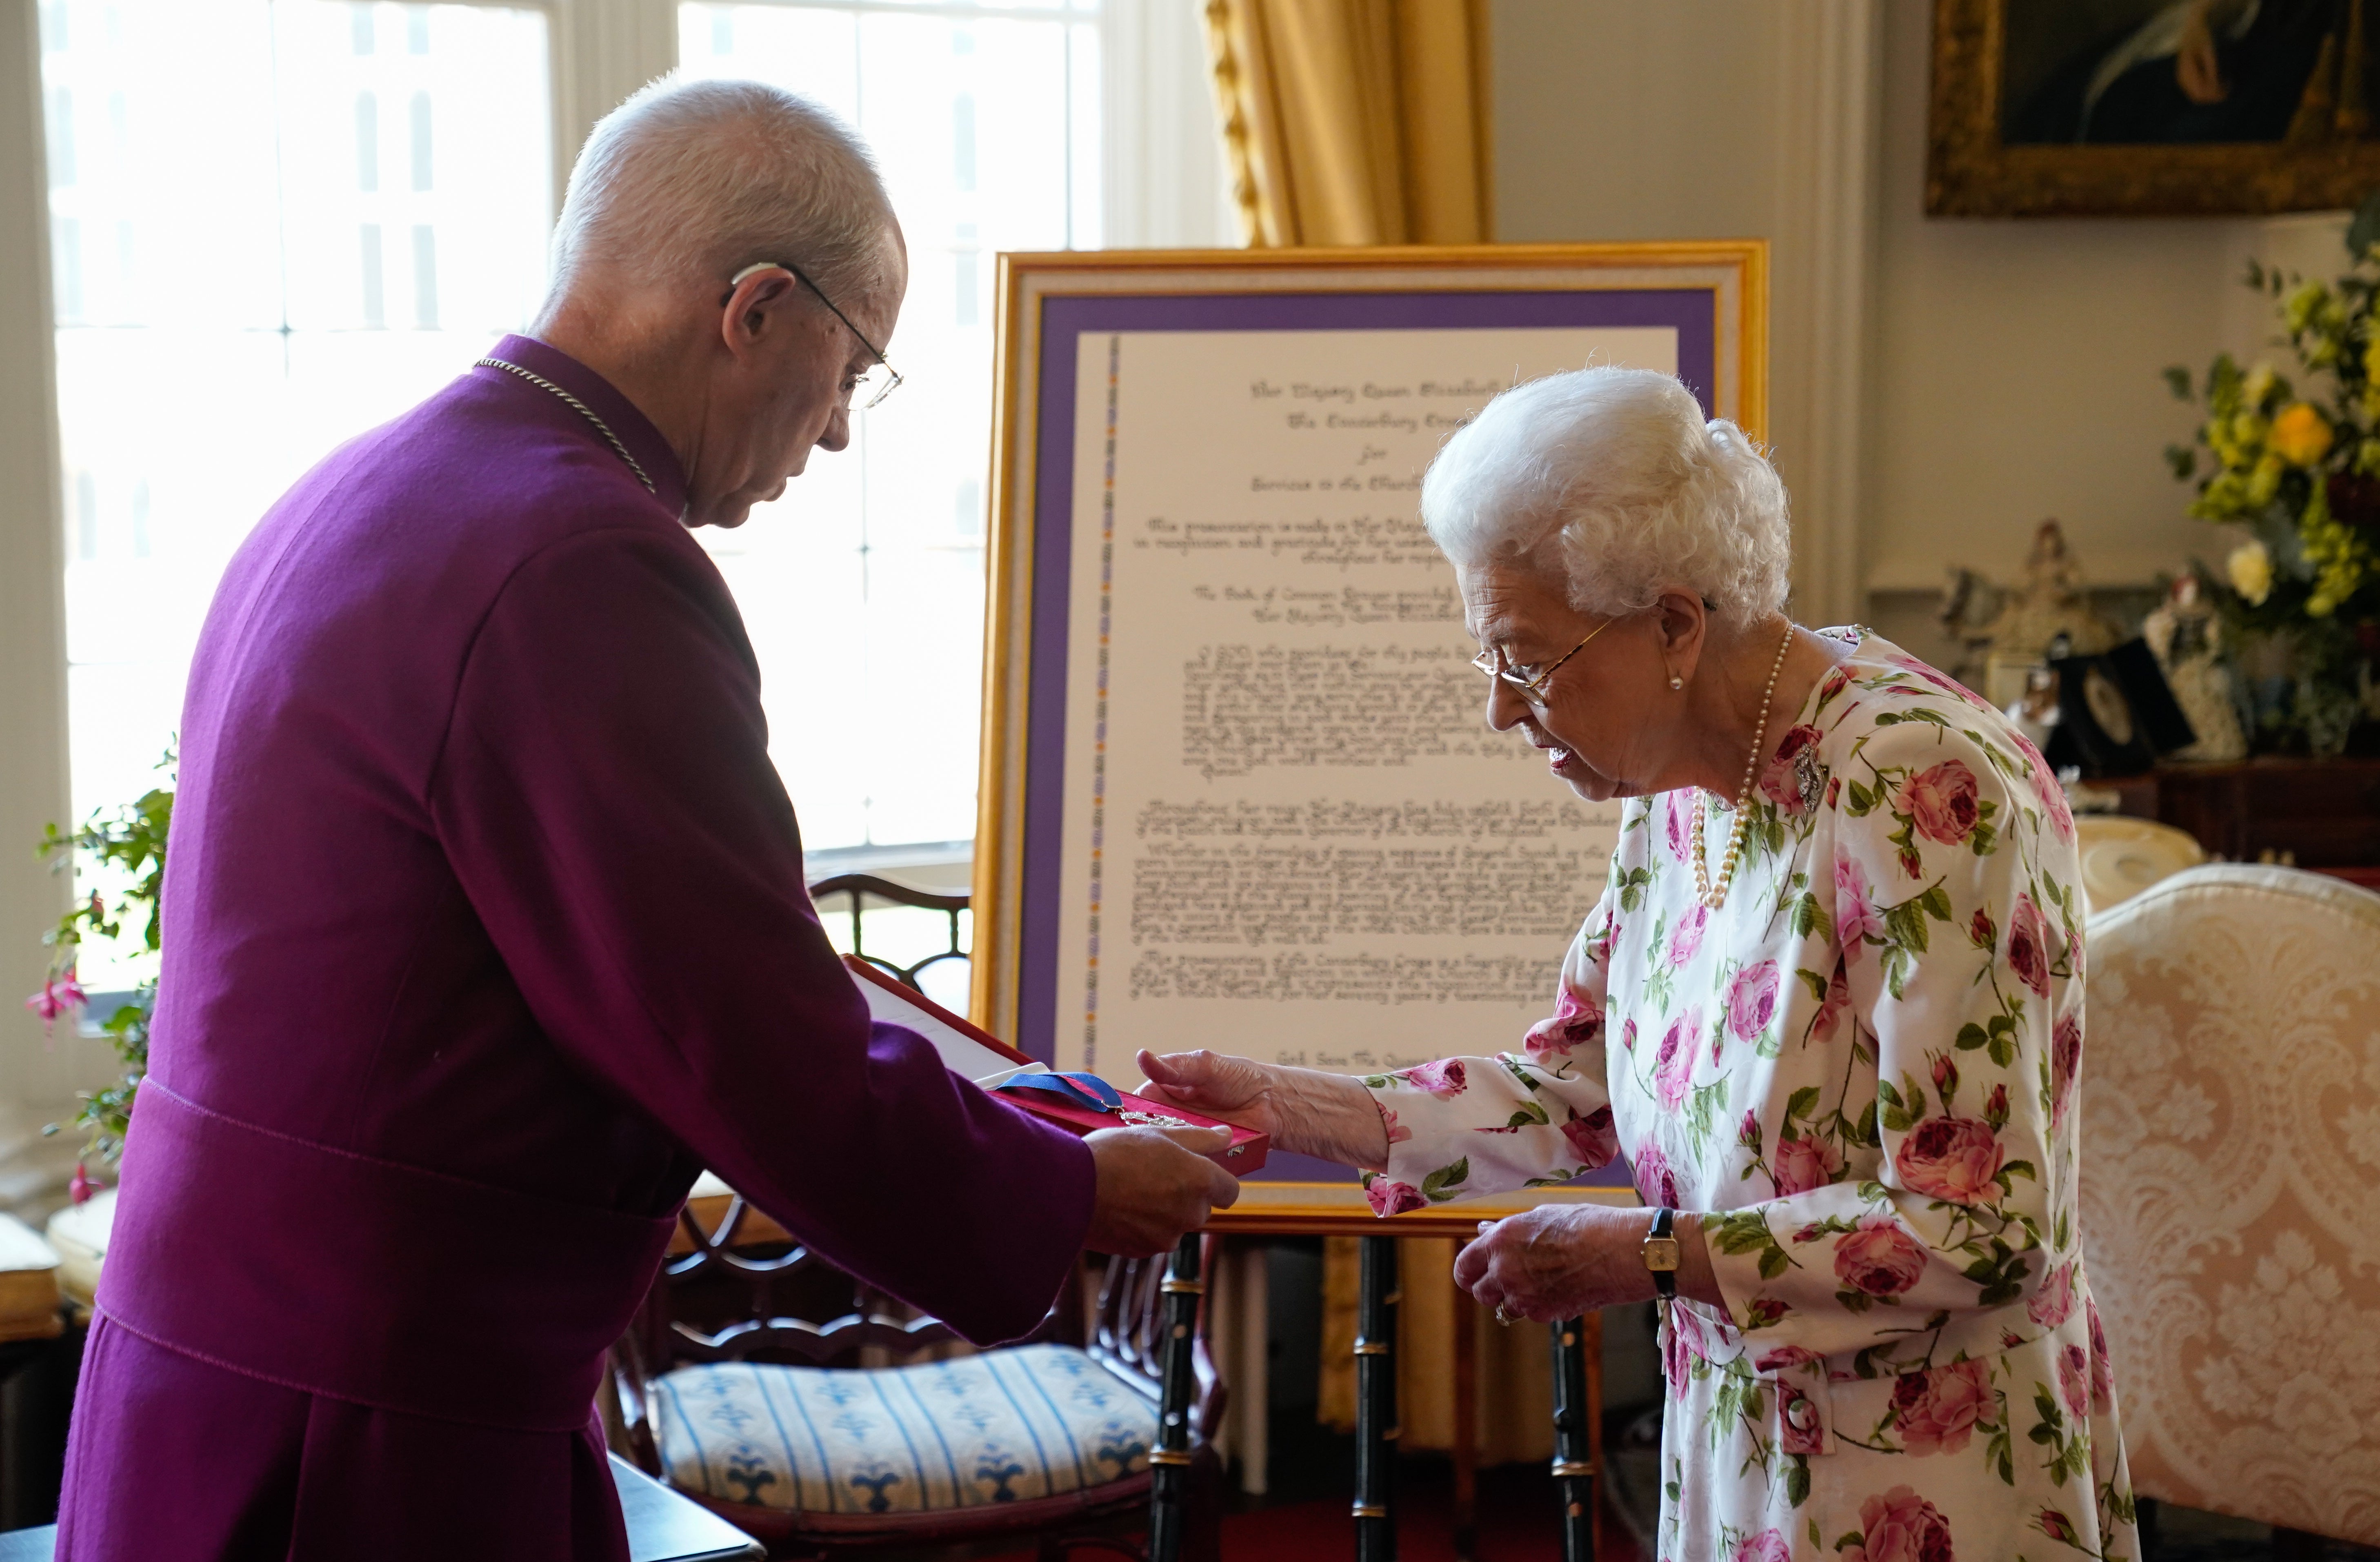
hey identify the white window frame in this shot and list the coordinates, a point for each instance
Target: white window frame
(1163, 188)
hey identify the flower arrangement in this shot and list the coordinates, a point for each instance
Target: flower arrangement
(2296, 465)
(132, 843)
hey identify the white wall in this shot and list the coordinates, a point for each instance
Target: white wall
(2010, 367)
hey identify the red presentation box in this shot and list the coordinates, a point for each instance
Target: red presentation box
(891, 999)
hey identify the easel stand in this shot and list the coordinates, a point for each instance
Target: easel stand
(1376, 1413)
(1169, 1460)
(1375, 1401)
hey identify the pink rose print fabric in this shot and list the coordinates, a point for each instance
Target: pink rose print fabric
(1858, 1075)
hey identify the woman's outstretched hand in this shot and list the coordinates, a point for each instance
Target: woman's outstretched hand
(1306, 1111)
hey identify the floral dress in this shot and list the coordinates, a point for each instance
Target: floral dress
(1861, 1071)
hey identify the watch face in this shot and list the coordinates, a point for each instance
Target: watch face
(1660, 1252)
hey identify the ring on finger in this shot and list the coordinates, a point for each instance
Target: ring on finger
(1505, 1318)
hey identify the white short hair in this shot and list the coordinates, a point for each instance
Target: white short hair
(695, 180)
(1612, 480)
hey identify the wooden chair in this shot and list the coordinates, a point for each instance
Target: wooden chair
(820, 1415)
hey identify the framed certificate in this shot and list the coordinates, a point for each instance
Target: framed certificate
(1237, 789)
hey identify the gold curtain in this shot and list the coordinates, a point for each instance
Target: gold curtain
(1516, 1373)
(1356, 121)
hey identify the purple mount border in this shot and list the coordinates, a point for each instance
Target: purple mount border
(1065, 319)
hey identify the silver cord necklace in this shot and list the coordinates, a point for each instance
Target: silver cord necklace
(577, 406)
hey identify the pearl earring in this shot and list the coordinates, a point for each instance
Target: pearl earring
(1676, 682)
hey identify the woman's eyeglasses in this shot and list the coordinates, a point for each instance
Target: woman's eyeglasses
(866, 391)
(1532, 684)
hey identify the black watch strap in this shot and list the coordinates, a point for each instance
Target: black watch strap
(1661, 1254)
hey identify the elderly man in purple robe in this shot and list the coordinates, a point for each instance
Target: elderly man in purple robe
(487, 928)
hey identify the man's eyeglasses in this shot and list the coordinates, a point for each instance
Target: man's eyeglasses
(866, 386)
(1532, 684)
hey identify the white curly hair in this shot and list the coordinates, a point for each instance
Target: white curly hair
(1612, 480)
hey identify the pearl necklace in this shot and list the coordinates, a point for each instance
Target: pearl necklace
(1713, 899)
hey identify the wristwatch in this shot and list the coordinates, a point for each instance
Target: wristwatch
(1661, 1254)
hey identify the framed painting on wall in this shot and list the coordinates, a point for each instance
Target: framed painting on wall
(2094, 107)
(1237, 789)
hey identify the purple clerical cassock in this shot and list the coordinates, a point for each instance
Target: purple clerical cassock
(486, 932)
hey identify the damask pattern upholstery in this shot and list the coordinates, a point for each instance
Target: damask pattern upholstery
(2230, 1153)
(1003, 1426)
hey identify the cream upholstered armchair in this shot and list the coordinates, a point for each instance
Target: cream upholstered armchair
(2231, 1154)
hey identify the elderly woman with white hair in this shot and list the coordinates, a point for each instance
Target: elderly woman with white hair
(1829, 1007)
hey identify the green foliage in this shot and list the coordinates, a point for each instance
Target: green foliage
(129, 842)
(2297, 466)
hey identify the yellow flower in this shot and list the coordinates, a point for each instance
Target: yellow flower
(2301, 435)
(2250, 568)
(2260, 383)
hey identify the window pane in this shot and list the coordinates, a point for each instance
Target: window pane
(986, 122)
(261, 251)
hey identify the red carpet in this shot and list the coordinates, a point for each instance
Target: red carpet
(1515, 1513)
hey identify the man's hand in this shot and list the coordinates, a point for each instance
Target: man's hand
(1155, 1184)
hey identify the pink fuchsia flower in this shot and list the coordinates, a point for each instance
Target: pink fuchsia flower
(1807, 1438)
(1880, 1257)
(1678, 817)
(1681, 1346)
(1442, 1079)
(1398, 1132)
(1592, 1138)
(1954, 1159)
(2028, 945)
(1766, 1311)
(1937, 1409)
(1781, 782)
(1768, 1545)
(2052, 1301)
(2060, 1528)
(1980, 933)
(1900, 1526)
(59, 994)
(2103, 1366)
(2074, 1379)
(1687, 936)
(1391, 1197)
(1578, 1018)
(1751, 1000)
(1942, 802)
(1785, 1358)
(2065, 1065)
(2046, 790)
(1673, 1061)
(1657, 1181)
(1856, 917)
(1802, 1163)
(1838, 998)
(81, 1187)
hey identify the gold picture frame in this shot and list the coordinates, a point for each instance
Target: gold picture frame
(1720, 286)
(2325, 159)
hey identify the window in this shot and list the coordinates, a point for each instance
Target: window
(256, 255)
(277, 223)
(986, 121)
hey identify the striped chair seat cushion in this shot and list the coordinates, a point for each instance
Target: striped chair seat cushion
(1036, 1421)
